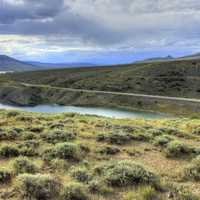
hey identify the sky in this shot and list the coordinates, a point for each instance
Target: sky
(98, 31)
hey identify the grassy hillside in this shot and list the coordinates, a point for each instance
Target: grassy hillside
(177, 78)
(74, 157)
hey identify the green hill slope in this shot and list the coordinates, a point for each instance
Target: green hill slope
(177, 78)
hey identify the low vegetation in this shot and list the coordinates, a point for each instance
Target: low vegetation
(66, 151)
(7, 151)
(144, 193)
(23, 165)
(38, 187)
(5, 176)
(75, 191)
(192, 171)
(77, 157)
(127, 173)
(177, 149)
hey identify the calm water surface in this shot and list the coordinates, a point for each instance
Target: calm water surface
(106, 112)
(5, 72)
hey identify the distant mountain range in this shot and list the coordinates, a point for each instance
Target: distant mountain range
(170, 58)
(60, 65)
(193, 56)
(9, 64)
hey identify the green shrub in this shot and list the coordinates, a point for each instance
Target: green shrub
(24, 118)
(58, 136)
(142, 136)
(5, 176)
(180, 193)
(31, 143)
(29, 136)
(8, 151)
(84, 148)
(75, 191)
(24, 165)
(148, 193)
(161, 140)
(18, 130)
(49, 154)
(155, 132)
(3, 134)
(196, 131)
(130, 196)
(188, 196)
(177, 149)
(118, 138)
(37, 129)
(108, 150)
(38, 187)
(143, 193)
(99, 186)
(192, 171)
(58, 164)
(27, 151)
(81, 174)
(12, 135)
(172, 131)
(28, 148)
(126, 172)
(57, 126)
(68, 151)
(13, 113)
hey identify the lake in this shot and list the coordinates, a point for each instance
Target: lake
(5, 72)
(105, 112)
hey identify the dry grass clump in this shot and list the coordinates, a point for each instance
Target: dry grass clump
(5, 175)
(66, 151)
(192, 171)
(24, 165)
(75, 191)
(127, 173)
(37, 187)
(177, 149)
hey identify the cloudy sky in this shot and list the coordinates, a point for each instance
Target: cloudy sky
(98, 30)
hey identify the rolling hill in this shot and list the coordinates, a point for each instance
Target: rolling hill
(170, 78)
(10, 64)
(193, 56)
(170, 58)
(157, 59)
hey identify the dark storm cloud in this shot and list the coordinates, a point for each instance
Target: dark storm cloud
(12, 11)
(67, 23)
(103, 23)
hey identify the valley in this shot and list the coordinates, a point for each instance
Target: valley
(157, 87)
(99, 100)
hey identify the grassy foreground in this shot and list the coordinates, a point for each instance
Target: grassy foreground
(76, 157)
